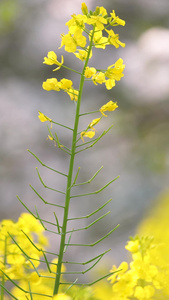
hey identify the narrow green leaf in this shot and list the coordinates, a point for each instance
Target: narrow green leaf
(46, 260)
(66, 245)
(44, 199)
(94, 212)
(26, 207)
(90, 180)
(40, 220)
(14, 283)
(57, 222)
(98, 191)
(44, 165)
(77, 174)
(8, 291)
(91, 224)
(47, 187)
(98, 241)
(33, 244)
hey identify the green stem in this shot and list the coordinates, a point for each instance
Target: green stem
(70, 174)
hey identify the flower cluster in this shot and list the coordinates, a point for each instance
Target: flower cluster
(112, 74)
(21, 245)
(145, 277)
(76, 42)
(41, 285)
(64, 84)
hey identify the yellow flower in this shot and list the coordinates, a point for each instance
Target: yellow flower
(51, 139)
(98, 78)
(51, 84)
(7, 226)
(84, 8)
(15, 255)
(77, 21)
(90, 134)
(73, 94)
(51, 59)
(94, 122)
(71, 42)
(34, 277)
(82, 55)
(65, 84)
(44, 118)
(144, 292)
(113, 39)
(122, 269)
(103, 11)
(116, 20)
(109, 106)
(116, 72)
(89, 72)
(68, 42)
(133, 246)
(30, 224)
(98, 21)
(100, 41)
(110, 83)
(79, 38)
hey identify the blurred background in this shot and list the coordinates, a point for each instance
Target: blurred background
(137, 148)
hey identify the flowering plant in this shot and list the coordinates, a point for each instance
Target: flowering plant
(86, 32)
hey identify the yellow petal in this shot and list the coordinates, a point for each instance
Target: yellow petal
(88, 134)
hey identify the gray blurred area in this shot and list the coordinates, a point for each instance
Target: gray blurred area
(137, 147)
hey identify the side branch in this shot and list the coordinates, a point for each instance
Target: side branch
(94, 212)
(44, 165)
(98, 241)
(96, 192)
(90, 180)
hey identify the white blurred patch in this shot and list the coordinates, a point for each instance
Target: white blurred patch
(147, 66)
(65, 8)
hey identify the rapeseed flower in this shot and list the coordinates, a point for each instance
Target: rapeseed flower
(116, 20)
(77, 22)
(115, 71)
(90, 134)
(72, 41)
(19, 251)
(89, 72)
(84, 8)
(82, 54)
(99, 40)
(51, 84)
(110, 83)
(113, 39)
(51, 59)
(143, 293)
(98, 78)
(109, 106)
(73, 94)
(94, 122)
(97, 21)
(44, 118)
(65, 84)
